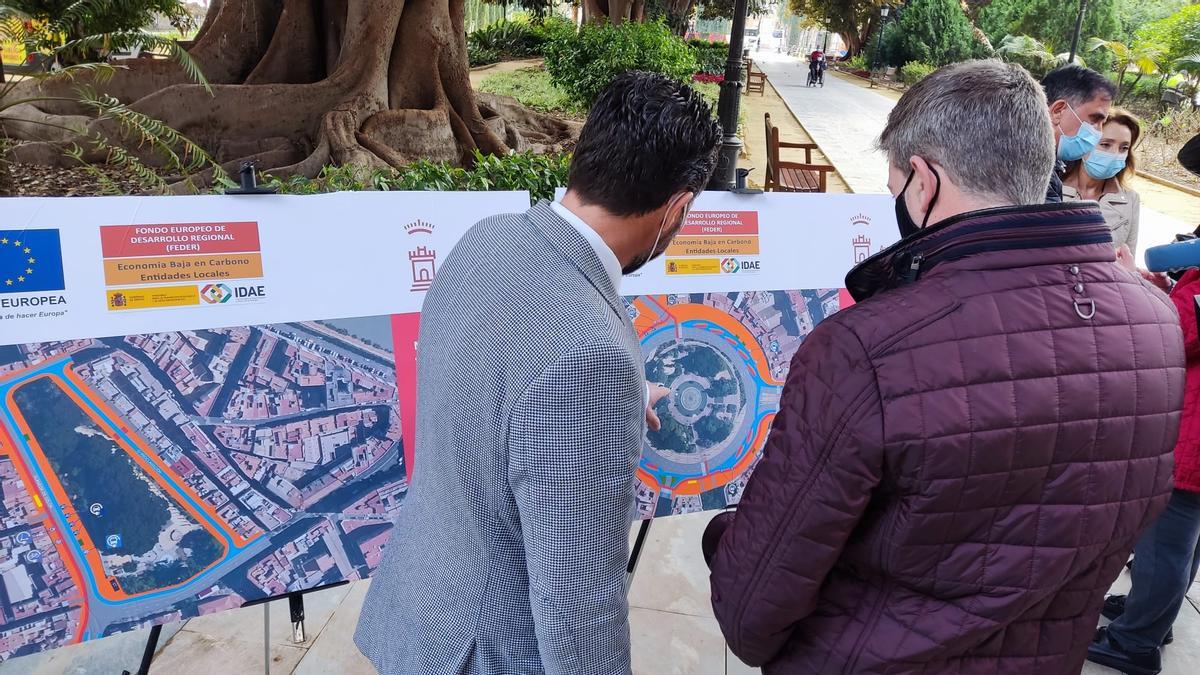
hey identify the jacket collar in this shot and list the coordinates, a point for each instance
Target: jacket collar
(1009, 228)
(1118, 197)
(570, 242)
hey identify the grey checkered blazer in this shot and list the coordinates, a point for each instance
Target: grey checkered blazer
(509, 554)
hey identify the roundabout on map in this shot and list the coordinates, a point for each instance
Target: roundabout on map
(718, 400)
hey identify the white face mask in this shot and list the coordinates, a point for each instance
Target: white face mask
(646, 257)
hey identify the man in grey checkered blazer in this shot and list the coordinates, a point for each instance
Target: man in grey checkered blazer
(509, 554)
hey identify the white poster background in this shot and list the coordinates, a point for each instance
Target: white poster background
(806, 241)
(346, 254)
(323, 256)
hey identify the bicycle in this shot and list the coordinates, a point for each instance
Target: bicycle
(816, 77)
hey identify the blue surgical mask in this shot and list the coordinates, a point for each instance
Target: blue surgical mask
(1071, 148)
(1103, 165)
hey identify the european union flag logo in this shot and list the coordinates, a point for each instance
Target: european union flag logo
(30, 260)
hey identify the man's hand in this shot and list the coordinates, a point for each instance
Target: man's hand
(654, 394)
(1125, 258)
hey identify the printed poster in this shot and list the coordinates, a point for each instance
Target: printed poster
(206, 401)
(202, 398)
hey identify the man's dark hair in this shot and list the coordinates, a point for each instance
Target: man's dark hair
(647, 137)
(1076, 85)
(1189, 155)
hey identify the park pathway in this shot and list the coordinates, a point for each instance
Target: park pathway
(845, 119)
(842, 117)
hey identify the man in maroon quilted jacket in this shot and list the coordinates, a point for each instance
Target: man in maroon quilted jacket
(961, 461)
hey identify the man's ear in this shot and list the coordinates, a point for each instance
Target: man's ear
(924, 186)
(1057, 110)
(679, 204)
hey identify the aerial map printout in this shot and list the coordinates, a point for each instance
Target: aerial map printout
(208, 401)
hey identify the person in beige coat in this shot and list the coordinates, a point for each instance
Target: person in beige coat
(1102, 174)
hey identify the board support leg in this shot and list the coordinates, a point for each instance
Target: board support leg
(636, 555)
(148, 652)
(296, 609)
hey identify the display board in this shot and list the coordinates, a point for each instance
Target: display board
(206, 401)
(720, 317)
(199, 398)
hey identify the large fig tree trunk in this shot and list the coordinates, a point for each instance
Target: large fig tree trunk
(297, 84)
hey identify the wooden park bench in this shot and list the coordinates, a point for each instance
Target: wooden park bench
(756, 80)
(792, 176)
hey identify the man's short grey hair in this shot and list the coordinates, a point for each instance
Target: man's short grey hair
(985, 122)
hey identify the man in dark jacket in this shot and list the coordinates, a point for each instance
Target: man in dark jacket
(1079, 99)
(962, 461)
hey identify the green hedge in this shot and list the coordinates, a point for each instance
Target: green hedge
(509, 40)
(710, 56)
(583, 65)
(915, 71)
(539, 174)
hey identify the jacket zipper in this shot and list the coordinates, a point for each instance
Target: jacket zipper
(914, 268)
(983, 244)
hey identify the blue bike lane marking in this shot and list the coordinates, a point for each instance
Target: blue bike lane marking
(58, 367)
(760, 386)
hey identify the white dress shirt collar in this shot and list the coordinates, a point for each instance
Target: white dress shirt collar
(607, 258)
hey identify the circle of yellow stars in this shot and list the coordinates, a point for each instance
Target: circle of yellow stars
(30, 260)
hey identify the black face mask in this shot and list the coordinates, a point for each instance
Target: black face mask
(907, 226)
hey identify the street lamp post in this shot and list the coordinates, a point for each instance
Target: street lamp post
(724, 177)
(883, 15)
(1078, 28)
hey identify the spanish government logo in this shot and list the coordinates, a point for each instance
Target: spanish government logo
(30, 261)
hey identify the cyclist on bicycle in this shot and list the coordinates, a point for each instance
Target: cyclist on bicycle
(816, 66)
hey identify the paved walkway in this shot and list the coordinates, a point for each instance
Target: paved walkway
(671, 621)
(845, 118)
(841, 117)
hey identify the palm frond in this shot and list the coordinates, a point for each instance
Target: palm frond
(120, 157)
(101, 72)
(12, 24)
(1187, 64)
(107, 186)
(1118, 48)
(182, 154)
(106, 43)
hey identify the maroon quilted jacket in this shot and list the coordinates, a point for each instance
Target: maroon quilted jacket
(962, 461)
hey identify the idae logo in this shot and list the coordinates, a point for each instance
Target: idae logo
(219, 294)
(215, 294)
(735, 265)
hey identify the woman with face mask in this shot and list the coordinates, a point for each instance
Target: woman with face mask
(1101, 174)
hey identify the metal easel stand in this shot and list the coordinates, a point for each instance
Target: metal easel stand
(148, 652)
(248, 177)
(636, 555)
(296, 614)
(249, 186)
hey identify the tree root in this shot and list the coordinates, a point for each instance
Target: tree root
(301, 83)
